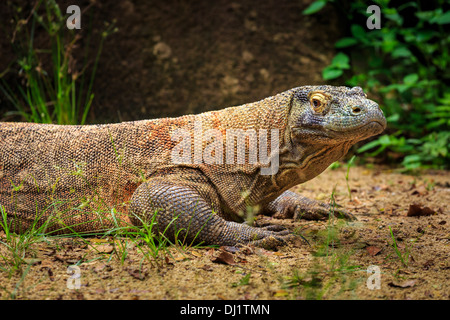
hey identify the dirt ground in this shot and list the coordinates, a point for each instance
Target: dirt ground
(333, 266)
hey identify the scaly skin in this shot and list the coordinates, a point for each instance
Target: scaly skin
(97, 177)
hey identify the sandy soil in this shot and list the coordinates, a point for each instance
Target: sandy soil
(333, 266)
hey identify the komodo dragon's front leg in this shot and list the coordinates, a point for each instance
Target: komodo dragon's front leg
(184, 214)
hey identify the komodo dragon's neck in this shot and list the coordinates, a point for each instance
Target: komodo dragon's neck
(297, 162)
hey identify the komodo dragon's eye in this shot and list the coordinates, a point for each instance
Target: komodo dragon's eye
(319, 100)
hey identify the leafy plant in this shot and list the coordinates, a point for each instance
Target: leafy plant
(405, 65)
(315, 7)
(336, 69)
(56, 91)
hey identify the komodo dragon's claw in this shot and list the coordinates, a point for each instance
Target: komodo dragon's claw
(291, 205)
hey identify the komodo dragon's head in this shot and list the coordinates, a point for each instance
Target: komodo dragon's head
(334, 115)
(324, 122)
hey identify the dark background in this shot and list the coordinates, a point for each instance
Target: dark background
(170, 58)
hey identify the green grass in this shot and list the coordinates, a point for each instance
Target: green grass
(244, 281)
(19, 250)
(17, 246)
(57, 92)
(152, 243)
(332, 273)
(404, 255)
(349, 164)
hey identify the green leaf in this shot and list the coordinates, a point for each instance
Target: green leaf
(385, 140)
(331, 73)
(395, 17)
(393, 118)
(341, 61)
(314, 7)
(425, 35)
(426, 15)
(358, 31)
(346, 42)
(412, 158)
(389, 42)
(443, 19)
(435, 124)
(401, 52)
(411, 79)
(369, 146)
(395, 86)
(392, 14)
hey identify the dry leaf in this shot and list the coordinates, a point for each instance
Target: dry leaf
(373, 250)
(279, 254)
(225, 258)
(95, 240)
(137, 273)
(196, 254)
(103, 248)
(280, 293)
(167, 260)
(416, 210)
(179, 257)
(421, 191)
(102, 267)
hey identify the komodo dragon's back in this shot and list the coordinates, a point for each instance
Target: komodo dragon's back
(97, 177)
(50, 170)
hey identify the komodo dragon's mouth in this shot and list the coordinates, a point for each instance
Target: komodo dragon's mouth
(358, 133)
(378, 126)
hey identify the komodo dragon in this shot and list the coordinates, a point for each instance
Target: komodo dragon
(190, 171)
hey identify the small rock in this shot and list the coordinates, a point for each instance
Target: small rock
(247, 56)
(264, 74)
(162, 51)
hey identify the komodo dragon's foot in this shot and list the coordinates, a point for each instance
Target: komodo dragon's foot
(269, 236)
(291, 205)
